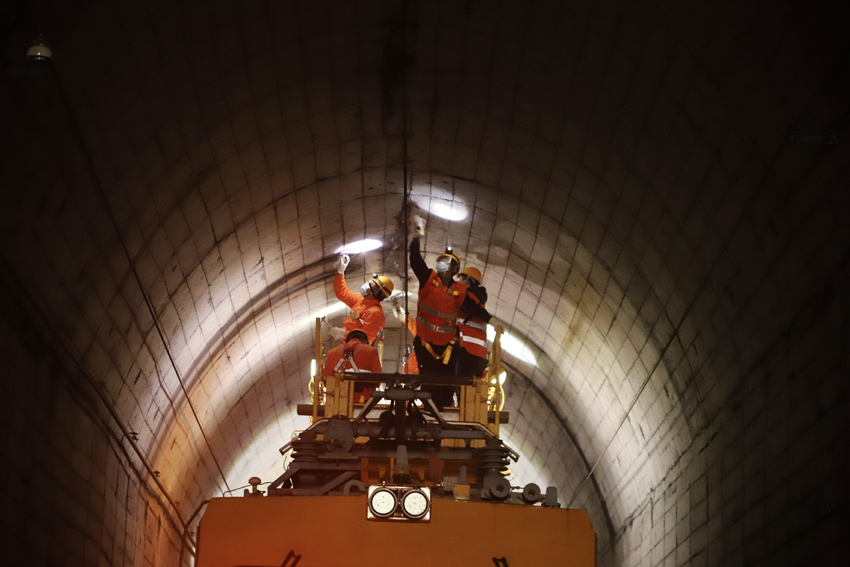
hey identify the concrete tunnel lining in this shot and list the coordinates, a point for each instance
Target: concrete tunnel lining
(643, 213)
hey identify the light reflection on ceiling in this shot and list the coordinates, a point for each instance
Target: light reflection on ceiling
(359, 246)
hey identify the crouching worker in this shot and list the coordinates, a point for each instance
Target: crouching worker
(355, 355)
(366, 313)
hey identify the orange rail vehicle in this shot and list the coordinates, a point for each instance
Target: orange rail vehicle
(393, 482)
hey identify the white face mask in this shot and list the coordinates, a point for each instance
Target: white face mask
(364, 289)
(442, 267)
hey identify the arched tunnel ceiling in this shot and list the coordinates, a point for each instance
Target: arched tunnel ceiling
(628, 172)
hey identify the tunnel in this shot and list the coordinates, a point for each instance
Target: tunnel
(653, 191)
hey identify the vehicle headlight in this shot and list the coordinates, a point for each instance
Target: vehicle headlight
(382, 502)
(415, 504)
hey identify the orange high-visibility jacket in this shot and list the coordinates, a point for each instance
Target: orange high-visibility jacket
(366, 315)
(361, 355)
(437, 311)
(473, 331)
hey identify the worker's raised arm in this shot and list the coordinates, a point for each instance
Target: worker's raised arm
(344, 294)
(417, 263)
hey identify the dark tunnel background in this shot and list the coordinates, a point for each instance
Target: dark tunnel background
(656, 193)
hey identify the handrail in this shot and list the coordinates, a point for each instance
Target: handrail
(497, 357)
(408, 379)
(317, 383)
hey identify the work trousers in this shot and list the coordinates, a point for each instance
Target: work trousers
(467, 364)
(442, 395)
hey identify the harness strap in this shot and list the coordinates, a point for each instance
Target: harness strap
(447, 354)
(450, 291)
(347, 358)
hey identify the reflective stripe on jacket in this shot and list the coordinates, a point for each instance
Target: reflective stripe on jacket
(436, 319)
(473, 332)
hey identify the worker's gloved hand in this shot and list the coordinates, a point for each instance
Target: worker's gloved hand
(341, 263)
(417, 226)
(337, 333)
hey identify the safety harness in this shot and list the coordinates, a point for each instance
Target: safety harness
(347, 358)
(447, 354)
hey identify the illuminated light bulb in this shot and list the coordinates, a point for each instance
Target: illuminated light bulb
(313, 367)
(40, 50)
(502, 377)
(360, 246)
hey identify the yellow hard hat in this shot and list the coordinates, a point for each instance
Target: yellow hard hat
(473, 273)
(384, 283)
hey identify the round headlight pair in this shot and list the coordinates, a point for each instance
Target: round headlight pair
(383, 503)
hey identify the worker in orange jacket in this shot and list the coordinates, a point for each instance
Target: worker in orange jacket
(355, 355)
(440, 300)
(366, 312)
(471, 358)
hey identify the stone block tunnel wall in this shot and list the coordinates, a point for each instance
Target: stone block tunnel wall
(73, 490)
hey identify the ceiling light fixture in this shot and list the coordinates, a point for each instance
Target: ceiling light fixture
(39, 50)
